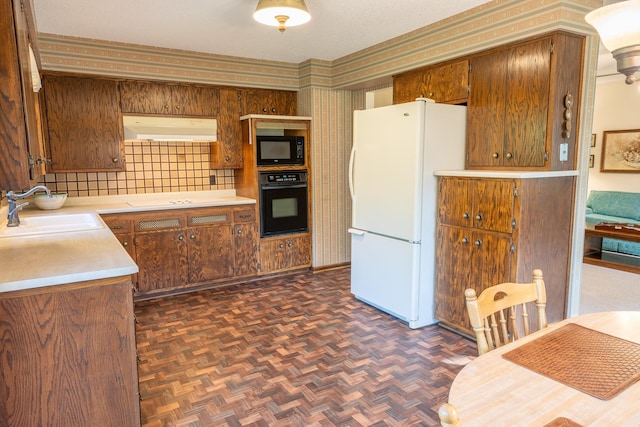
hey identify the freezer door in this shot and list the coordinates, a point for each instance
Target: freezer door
(384, 273)
(385, 170)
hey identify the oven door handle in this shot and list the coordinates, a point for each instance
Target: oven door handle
(282, 187)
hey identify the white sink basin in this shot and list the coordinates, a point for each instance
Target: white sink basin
(47, 224)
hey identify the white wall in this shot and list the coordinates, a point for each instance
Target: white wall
(616, 107)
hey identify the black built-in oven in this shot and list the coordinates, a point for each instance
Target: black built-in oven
(283, 202)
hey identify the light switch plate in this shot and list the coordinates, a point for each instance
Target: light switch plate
(564, 152)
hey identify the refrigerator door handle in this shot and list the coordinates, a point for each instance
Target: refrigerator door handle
(356, 232)
(352, 159)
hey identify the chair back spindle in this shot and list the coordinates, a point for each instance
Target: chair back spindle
(499, 314)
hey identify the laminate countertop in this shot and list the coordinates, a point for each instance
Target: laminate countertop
(49, 259)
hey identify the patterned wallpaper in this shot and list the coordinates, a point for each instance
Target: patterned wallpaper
(329, 91)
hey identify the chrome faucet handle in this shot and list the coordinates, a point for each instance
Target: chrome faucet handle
(13, 219)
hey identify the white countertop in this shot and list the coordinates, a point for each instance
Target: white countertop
(41, 260)
(505, 174)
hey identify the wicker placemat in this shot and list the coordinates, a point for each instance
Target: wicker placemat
(562, 422)
(590, 361)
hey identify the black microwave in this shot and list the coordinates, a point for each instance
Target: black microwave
(280, 150)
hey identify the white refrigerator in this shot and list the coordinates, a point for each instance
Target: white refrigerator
(395, 151)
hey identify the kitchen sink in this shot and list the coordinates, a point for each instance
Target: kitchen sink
(47, 224)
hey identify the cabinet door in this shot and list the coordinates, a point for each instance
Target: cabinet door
(449, 82)
(273, 255)
(492, 255)
(493, 205)
(162, 259)
(195, 100)
(245, 244)
(226, 152)
(442, 83)
(145, 98)
(84, 124)
(453, 248)
(285, 253)
(409, 86)
(210, 253)
(14, 157)
(455, 201)
(299, 251)
(527, 106)
(266, 101)
(485, 110)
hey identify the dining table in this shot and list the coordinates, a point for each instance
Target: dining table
(581, 371)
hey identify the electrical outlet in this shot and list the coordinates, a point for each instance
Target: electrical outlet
(564, 152)
(212, 180)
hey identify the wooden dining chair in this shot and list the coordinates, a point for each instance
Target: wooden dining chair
(499, 314)
(449, 416)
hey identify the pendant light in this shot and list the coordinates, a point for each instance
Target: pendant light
(618, 25)
(280, 13)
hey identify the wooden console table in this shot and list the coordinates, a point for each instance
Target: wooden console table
(593, 253)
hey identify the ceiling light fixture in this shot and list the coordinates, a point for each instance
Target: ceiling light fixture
(618, 25)
(280, 13)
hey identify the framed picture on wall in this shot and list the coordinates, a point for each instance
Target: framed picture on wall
(620, 151)
(593, 139)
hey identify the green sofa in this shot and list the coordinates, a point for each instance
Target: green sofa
(615, 206)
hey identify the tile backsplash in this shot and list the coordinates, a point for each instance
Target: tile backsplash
(150, 167)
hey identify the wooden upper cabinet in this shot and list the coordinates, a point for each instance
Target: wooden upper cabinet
(226, 152)
(446, 83)
(266, 101)
(169, 99)
(523, 102)
(20, 136)
(84, 124)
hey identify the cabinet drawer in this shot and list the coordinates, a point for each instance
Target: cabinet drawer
(206, 217)
(118, 224)
(244, 216)
(159, 223)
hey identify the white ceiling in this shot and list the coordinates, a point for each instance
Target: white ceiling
(226, 27)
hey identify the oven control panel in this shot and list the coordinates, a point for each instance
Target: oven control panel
(283, 178)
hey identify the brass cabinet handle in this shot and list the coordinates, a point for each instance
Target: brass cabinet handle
(495, 155)
(479, 217)
(115, 159)
(509, 155)
(193, 236)
(289, 244)
(180, 237)
(478, 243)
(125, 243)
(240, 231)
(465, 240)
(281, 245)
(466, 215)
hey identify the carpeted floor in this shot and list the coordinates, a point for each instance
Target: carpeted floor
(605, 289)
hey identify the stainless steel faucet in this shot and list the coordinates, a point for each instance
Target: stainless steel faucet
(13, 219)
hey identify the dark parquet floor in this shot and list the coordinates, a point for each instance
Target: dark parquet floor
(291, 351)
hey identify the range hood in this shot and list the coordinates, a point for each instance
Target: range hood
(170, 128)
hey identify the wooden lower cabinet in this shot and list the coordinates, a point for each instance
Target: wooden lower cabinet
(68, 356)
(245, 238)
(162, 260)
(210, 253)
(285, 253)
(184, 248)
(494, 230)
